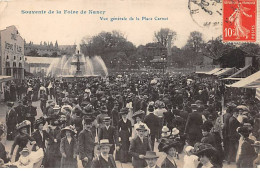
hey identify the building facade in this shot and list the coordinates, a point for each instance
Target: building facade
(11, 53)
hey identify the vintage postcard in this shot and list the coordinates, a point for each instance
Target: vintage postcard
(129, 84)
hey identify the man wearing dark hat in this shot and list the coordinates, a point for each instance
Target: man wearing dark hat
(208, 137)
(193, 126)
(153, 123)
(31, 113)
(21, 112)
(86, 143)
(138, 147)
(109, 132)
(151, 159)
(11, 121)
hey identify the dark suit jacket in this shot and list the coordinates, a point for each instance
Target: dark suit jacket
(11, 118)
(138, 148)
(21, 113)
(247, 155)
(31, 111)
(152, 121)
(86, 144)
(40, 141)
(168, 164)
(100, 162)
(193, 124)
(110, 134)
(226, 118)
(232, 128)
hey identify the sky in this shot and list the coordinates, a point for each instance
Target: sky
(68, 29)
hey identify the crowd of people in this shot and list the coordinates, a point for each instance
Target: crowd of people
(132, 118)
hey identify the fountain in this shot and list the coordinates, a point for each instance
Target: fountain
(77, 66)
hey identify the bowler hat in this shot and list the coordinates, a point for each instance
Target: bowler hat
(123, 111)
(150, 155)
(141, 127)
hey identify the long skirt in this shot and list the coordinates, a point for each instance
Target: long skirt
(69, 162)
(124, 155)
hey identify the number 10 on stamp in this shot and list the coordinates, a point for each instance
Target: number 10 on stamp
(239, 20)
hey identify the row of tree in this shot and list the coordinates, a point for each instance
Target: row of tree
(118, 52)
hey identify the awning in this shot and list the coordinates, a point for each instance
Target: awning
(235, 79)
(4, 78)
(226, 72)
(213, 71)
(253, 81)
(242, 73)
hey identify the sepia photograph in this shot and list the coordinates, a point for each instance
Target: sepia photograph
(129, 84)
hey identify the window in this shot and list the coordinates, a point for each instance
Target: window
(14, 64)
(20, 65)
(7, 57)
(7, 64)
(14, 57)
(20, 58)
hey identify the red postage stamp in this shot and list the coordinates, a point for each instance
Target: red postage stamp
(239, 20)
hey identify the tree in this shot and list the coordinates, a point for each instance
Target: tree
(250, 48)
(108, 45)
(164, 36)
(195, 41)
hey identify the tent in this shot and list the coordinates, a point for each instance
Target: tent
(213, 71)
(253, 81)
(4, 78)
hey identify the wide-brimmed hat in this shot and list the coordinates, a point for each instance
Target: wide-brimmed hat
(39, 121)
(243, 107)
(165, 129)
(169, 144)
(124, 111)
(104, 142)
(25, 150)
(23, 124)
(88, 110)
(202, 148)
(138, 113)
(69, 128)
(141, 127)
(175, 131)
(150, 155)
(56, 107)
(10, 104)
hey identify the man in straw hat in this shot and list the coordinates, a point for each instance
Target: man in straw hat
(109, 132)
(151, 159)
(104, 160)
(86, 143)
(138, 147)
